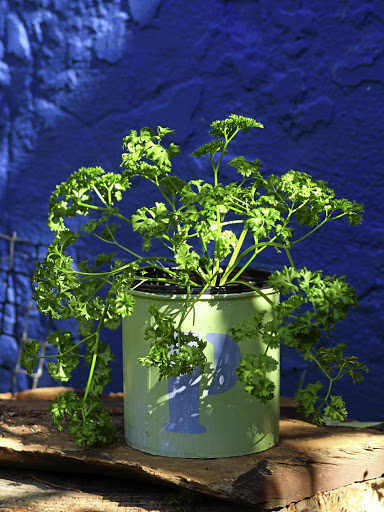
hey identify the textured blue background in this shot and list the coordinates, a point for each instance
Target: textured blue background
(75, 77)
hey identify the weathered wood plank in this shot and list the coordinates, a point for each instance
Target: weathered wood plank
(306, 461)
(36, 491)
(365, 496)
(23, 491)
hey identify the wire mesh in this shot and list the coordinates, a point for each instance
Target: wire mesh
(18, 259)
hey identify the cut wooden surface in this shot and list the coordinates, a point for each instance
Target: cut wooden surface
(37, 491)
(306, 461)
(365, 496)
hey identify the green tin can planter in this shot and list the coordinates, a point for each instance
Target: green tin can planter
(198, 416)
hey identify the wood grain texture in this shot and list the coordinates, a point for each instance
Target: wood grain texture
(38, 491)
(365, 496)
(306, 461)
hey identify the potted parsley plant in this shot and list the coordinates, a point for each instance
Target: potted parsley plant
(202, 326)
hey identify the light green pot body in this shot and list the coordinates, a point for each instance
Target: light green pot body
(198, 416)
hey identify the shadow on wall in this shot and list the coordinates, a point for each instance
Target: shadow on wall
(84, 76)
(18, 314)
(74, 80)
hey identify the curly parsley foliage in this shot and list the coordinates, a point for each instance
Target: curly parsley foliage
(65, 293)
(247, 169)
(229, 127)
(253, 370)
(211, 149)
(88, 422)
(30, 355)
(147, 145)
(308, 199)
(77, 195)
(250, 328)
(195, 222)
(173, 351)
(151, 223)
(67, 358)
(330, 299)
(261, 221)
(332, 406)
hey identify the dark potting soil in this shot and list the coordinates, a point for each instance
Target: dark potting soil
(255, 277)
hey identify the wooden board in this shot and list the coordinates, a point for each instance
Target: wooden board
(306, 461)
(38, 491)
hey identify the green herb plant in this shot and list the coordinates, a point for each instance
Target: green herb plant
(196, 222)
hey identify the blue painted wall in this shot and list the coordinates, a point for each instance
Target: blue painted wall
(75, 77)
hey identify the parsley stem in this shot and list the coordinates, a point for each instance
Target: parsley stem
(116, 243)
(100, 196)
(216, 169)
(216, 261)
(253, 247)
(232, 222)
(263, 244)
(264, 295)
(90, 376)
(234, 256)
(329, 389)
(313, 230)
(165, 196)
(244, 266)
(164, 280)
(321, 367)
(70, 348)
(298, 208)
(93, 207)
(205, 276)
(94, 357)
(189, 307)
(216, 258)
(118, 270)
(119, 216)
(289, 257)
(204, 245)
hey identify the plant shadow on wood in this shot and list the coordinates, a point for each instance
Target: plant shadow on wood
(41, 490)
(299, 466)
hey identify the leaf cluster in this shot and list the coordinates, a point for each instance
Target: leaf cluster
(87, 421)
(174, 352)
(314, 306)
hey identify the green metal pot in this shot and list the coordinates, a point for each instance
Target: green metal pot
(198, 416)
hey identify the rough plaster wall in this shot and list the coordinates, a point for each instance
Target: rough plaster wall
(75, 77)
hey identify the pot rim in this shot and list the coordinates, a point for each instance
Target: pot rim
(205, 297)
(256, 277)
